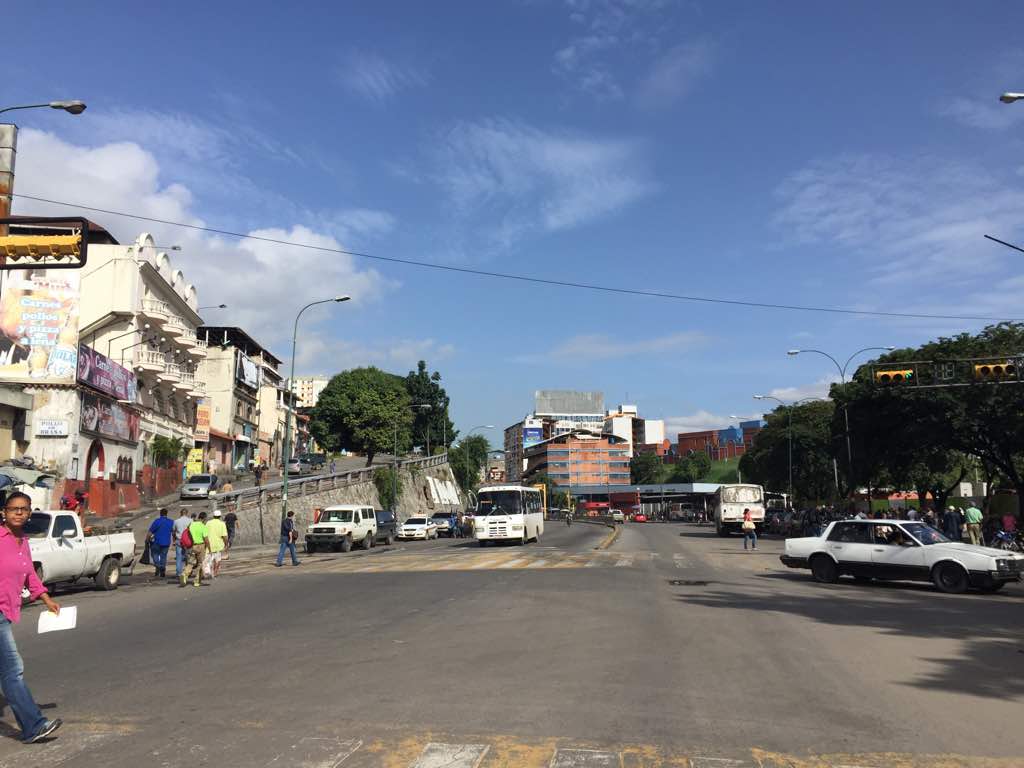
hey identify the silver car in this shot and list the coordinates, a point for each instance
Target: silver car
(298, 466)
(199, 487)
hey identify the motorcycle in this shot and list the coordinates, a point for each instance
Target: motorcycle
(1005, 541)
(568, 520)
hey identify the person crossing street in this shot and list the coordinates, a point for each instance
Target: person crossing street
(289, 535)
(197, 554)
(159, 537)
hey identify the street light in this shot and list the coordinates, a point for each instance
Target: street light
(224, 306)
(842, 378)
(1010, 97)
(72, 107)
(288, 411)
(133, 330)
(789, 429)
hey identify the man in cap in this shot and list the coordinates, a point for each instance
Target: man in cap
(216, 542)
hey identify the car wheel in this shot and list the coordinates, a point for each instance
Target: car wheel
(950, 578)
(824, 569)
(523, 540)
(368, 541)
(109, 575)
(389, 540)
(310, 547)
(346, 544)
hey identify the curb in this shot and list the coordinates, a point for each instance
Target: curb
(612, 537)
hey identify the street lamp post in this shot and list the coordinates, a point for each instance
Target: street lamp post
(789, 429)
(286, 450)
(842, 378)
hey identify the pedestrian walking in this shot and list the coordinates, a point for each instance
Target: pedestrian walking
(334, 467)
(216, 537)
(911, 513)
(180, 553)
(973, 517)
(16, 573)
(197, 554)
(257, 474)
(749, 530)
(289, 535)
(231, 523)
(161, 531)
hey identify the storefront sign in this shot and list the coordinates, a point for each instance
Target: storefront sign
(202, 430)
(194, 465)
(51, 428)
(100, 372)
(109, 419)
(39, 326)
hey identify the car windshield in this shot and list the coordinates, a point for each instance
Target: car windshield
(199, 479)
(741, 494)
(336, 516)
(441, 516)
(415, 521)
(499, 503)
(37, 525)
(924, 533)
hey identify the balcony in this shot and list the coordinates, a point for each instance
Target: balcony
(172, 372)
(174, 326)
(150, 360)
(198, 388)
(196, 347)
(155, 310)
(187, 382)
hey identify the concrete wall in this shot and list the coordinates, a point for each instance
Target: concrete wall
(306, 495)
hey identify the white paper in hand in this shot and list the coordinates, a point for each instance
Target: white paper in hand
(55, 622)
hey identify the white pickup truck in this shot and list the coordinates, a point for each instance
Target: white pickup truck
(63, 552)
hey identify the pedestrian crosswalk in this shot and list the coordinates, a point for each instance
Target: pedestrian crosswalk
(462, 560)
(81, 744)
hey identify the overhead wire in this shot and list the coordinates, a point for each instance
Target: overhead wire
(518, 277)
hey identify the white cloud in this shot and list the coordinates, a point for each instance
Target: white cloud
(320, 356)
(695, 422)
(911, 220)
(674, 74)
(529, 179)
(251, 277)
(377, 79)
(818, 389)
(591, 347)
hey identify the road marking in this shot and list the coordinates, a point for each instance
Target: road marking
(715, 762)
(592, 564)
(436, 755)
(514, 563)
(584, 758)
(681, 561)
(316, 752)
(624, 562)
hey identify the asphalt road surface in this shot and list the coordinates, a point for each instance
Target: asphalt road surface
(669, 647)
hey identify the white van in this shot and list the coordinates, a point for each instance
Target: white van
(342, 525)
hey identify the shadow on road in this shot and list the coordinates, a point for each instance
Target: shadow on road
(991, 662)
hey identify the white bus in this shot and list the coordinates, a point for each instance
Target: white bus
(508, 513)
(730, 501)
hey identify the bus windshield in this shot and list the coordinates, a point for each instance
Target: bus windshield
(500, 503)
(741, 494)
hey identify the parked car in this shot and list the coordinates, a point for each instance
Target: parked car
(315, 461)
(418, 528)
(447, 524)
(341, 526)
(617, 516)
(62, 551)
(901, 550)
(297, 466)
(387, 526)
(639, 517)
(199, 487)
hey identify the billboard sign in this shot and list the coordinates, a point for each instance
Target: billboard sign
(202, 430)
(107, 418)
(532, 436)
(247, 372)
(100, 372)
(39, 326)
(194, 464)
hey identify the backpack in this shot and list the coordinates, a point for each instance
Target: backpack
(186, 539)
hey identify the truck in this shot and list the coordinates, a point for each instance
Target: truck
(64, 551)
(730, 500)
(341, 526)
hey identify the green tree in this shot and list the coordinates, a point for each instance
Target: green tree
(646, 469)
(167, 450)
(359, 410)
(467, 459)
(425, 388)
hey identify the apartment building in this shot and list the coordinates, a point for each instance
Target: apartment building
(579, 458)
(308, 388)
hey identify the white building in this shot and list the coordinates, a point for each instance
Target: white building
(308, 389)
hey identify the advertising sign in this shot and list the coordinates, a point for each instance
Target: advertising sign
(109, 419)
(194, 464)
(100, 372)
(202, 430)
(532, 436)
(51, 428)
(39, 326)
(247, 372)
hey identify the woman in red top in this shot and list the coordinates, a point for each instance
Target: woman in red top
(17, 572)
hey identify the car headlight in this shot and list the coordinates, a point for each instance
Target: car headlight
(517, 527)
(1002, 565)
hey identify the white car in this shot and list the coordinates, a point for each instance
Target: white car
(63, 552)
(617, 516)
(341, 526)
(418, 528)
(901, 550)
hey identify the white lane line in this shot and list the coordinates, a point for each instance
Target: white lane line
(592, 564)
(485, 564)
(584, 758)
(624, 562)
(316, 752)
(436, 755)
(715, 762)
(514, 563)
(681, 561)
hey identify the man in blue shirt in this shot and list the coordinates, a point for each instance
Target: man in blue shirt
(289, 535)
(159, 538)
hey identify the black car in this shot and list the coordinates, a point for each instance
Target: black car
(315, 460)
(387, 526)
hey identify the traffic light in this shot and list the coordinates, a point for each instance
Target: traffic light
(895, 377)
(995, 371)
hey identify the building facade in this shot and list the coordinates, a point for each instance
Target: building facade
(308, 388)
(720, 444)
(579, 458)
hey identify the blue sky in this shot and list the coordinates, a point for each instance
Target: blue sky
(802, 153)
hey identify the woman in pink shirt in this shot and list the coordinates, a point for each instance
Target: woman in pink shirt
(17, 572)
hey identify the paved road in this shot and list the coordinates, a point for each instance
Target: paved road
(671, 647)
